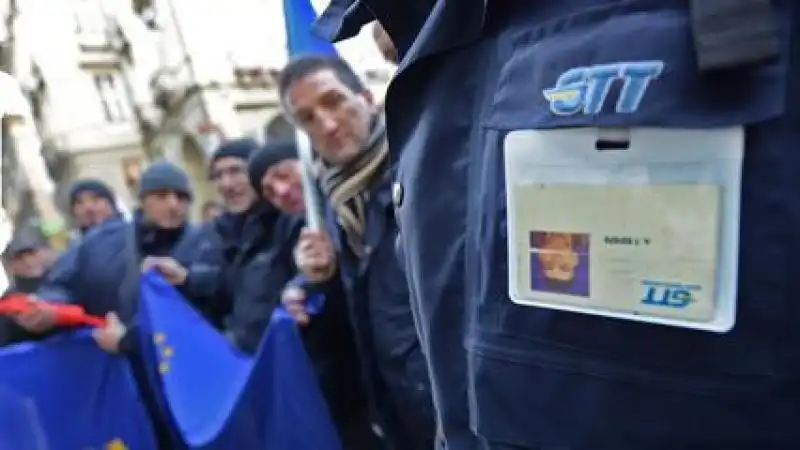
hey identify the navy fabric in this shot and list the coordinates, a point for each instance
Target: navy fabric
(92, 273)
(253, 264)
(431, 233)
(545, 379)
(203, 277)
(330, 342)
(380, 306)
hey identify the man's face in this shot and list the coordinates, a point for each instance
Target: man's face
(282, 186)
(91, 209)
(336, 119)
(230, 177)
(31, 263)
(166, 209)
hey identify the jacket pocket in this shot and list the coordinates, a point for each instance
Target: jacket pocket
(634, 66)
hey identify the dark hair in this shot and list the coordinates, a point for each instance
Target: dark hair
(304, 66)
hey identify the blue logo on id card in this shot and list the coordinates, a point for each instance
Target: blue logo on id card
(668, 295)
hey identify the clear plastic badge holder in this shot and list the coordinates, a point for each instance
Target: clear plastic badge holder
(639, 224)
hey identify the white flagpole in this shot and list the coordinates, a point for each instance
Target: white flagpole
(310, 193)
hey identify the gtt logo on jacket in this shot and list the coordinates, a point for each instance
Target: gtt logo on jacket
(585, 89)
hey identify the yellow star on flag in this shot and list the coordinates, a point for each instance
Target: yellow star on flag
(116, 444)
(159, 338)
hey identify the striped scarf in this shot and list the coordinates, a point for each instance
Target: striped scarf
(346, 186)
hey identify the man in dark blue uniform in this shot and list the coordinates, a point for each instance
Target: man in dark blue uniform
(489, 117)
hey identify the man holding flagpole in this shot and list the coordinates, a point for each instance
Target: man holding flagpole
(326, 100)
(356, 249)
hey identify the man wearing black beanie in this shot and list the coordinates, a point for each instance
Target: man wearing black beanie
(250, 240)
(286, 194)
(91, 202)
(228, 172)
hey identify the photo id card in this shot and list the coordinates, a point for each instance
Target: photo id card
(645, 231)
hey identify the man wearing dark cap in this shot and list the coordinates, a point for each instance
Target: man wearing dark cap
(228, 172)
(101, 272)
(91, 202)
(329, 339)
(28, 259)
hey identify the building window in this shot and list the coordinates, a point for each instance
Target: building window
(114, 97)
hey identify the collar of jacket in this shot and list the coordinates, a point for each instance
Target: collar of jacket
(154, 240)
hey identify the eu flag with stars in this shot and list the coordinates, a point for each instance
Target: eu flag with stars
(65, 393)
(222, 399)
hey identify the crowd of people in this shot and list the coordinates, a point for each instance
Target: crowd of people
(254, 252)
(477, 258)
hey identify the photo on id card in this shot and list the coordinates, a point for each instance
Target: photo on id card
(646, 233)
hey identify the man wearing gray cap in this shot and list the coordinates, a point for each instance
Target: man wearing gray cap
(28, 259)
(101, 272)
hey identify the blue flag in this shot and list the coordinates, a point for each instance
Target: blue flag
(67, 394)
(300, 39)
(222, 399)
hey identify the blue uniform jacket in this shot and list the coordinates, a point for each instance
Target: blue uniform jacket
(474, 70)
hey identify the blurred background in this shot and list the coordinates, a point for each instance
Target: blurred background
(109, 85)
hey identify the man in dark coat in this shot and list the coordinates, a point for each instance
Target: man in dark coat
(241, 267)
(101, 271)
